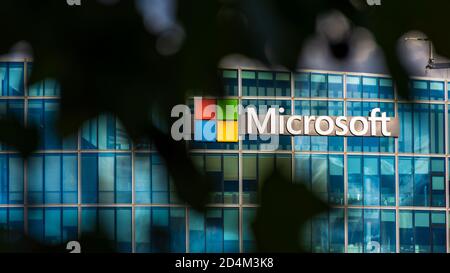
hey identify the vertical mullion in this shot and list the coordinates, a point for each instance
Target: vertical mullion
(397, 180)
(188, 246)
(446, 134)
(25, 160)
(79, 182)
(292, 137)
(345, 172)
(133, 200)
(240, 162)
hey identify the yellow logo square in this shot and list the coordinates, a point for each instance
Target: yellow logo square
(227, 131)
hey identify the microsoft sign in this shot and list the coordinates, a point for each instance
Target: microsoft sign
(224, 120)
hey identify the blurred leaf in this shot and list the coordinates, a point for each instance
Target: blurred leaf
(284, 209)
(106, 61)
(191, 186)
(161, 241)
(393, 19)
(14, 134)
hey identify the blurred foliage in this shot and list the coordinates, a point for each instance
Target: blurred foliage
(14, 134)
(284, 208)
(106, 61)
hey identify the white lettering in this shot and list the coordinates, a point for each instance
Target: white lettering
(307, 120)
(252, 118)
(364, 123)
(289, 126)
(341, 125)
(330, 123)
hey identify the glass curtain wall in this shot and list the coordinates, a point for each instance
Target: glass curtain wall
(387, 194)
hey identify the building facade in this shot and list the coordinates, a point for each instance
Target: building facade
(387, 194)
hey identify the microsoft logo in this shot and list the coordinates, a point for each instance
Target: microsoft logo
(215, 120)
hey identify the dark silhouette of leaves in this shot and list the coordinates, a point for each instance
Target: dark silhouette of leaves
(106, 61)
(393, 19)
(284, 208)
(15, 135)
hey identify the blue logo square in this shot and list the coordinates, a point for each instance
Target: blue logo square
(205, 130)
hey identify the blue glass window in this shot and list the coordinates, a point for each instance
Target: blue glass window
(152, 223)
(3, 79)
(420, 90)
(48, 87)
(215, 231)
(371, 180)
(386, 88)
(260, 142)
(11, 79)
(282, 84)
(422, 231)
(11, 179)
(319, 143)
(106, 178)
(223, 171)
(371, 231)
(319, 85)
(422, 181)
(421, 128)
(153, 183)
(229, 79)
(114, 223)
(11, 224)
(323, 174)
(53, 226)
(437, 90)
(257, 167)
(354, 87)
(325, 232)
(249, 86)
(370, 87)
(302, 85)
(43, 114)
(311, 85)
(53, 179)
(263, 83)
(335, 86)
(104, 133)
(426, 90)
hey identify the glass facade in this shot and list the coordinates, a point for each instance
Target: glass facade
(387, 194)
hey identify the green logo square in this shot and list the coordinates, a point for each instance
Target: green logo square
(229, 109)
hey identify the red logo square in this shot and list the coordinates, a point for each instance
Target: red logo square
(204, 109)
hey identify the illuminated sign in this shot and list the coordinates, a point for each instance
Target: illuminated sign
(224, 120)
